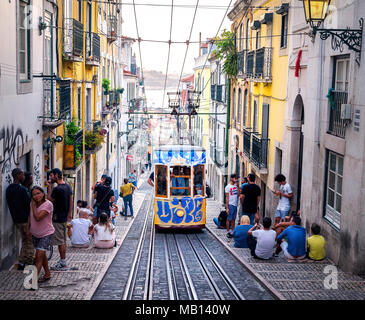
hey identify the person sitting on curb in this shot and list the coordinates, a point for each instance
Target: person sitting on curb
(281, 226)
(315, 244)
(221, 221)
(104, 235)
(263, 246)
(294, 246)
(241, 231)
(79, 231)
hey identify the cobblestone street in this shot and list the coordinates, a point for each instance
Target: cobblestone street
(290, 281)
(78, 284)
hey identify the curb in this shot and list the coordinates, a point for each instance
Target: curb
(110, 260)
(268, 286)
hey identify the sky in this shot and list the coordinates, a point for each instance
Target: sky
(154, 24)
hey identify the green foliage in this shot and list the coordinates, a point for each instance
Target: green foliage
(78, 156)
(93, 139)
(106, 85)
(120, 90)
(227, 53)
(70, 132)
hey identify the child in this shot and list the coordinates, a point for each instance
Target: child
(315, 244)
(113, 212)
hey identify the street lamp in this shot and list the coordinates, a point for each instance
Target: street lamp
(130, 125)
(316, 12)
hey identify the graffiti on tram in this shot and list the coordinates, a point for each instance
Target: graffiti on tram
(186, 210)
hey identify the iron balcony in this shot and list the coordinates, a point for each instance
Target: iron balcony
(73, 40)
(56, 102)
(241, 64)
(263, 65)
(92, 48)
(337, 126)
(112, 28)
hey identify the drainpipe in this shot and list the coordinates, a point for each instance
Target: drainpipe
(228, 119)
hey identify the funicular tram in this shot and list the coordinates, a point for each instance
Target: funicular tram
(179, 193)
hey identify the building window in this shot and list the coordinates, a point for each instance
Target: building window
(333, 188)
(24, 52)
(284, 31)
(47, 70)
(241, 37)
(79, 10)
(342, 74)
(239, 105)
(255, 116)
(233, 104)
(245, 108)
(258, 39)
(248, 43)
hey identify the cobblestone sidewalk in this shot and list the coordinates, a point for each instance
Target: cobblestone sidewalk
(78, 284)
(291, 281)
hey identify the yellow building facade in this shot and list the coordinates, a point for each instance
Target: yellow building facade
(259, 94)
(87, 54)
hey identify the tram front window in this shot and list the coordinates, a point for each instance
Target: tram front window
(199, 180)
(161, 181)
(180, 181)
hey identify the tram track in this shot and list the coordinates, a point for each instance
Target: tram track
(176, 265)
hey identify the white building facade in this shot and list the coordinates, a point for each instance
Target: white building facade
(324, 145)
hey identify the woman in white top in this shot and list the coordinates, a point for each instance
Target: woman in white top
(104, 235)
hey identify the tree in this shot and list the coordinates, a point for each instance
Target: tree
(226, 52)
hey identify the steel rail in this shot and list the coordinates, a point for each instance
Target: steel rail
(189, 282)
(218, 294)
(171, 280)
(229, 282)
(128, 292)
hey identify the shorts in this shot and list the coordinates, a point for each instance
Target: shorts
(60, 231)
(281, 214)
(42, 244)
(232, 215)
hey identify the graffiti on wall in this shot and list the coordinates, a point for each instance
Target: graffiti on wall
(36, 171)
(11, 149)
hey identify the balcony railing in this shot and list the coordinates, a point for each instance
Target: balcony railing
(259, 151)
(112, 28)
(250, 63)
(73, 39)
(241, 58)
(337, 126)
(247, 142)
(263, 63)
(56, 103)
(92, 48)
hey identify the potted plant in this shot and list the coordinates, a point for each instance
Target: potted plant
(93, 139)
(106, 86)
(70, 152)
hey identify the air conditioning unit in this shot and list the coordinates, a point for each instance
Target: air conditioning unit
(346, 111)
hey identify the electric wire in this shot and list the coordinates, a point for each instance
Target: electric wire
(168, 55)
(187, 44)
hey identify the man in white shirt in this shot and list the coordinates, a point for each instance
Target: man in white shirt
(285, 193)
(232, 194)
(80, 231)
(262, 242)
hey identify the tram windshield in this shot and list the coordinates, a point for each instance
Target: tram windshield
(180, 180)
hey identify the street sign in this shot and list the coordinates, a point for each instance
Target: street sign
(129, 157)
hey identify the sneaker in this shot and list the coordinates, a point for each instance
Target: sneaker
(20, 267)
(229, 235)
(59, 267)
(132, 217)
(275, 255)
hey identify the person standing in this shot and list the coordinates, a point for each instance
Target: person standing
(41, 228)
(28, 182)
(18, 201)
(133, 178)
(104, 195)
(232, 193)
(61, 197)
(126, 192)
(285, 194)
(251, 196)
(244, 182)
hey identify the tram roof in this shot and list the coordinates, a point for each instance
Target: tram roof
(178, 147)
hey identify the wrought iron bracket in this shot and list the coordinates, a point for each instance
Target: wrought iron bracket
(351, 37)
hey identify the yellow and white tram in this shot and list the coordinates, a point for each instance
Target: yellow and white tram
(179, 178)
